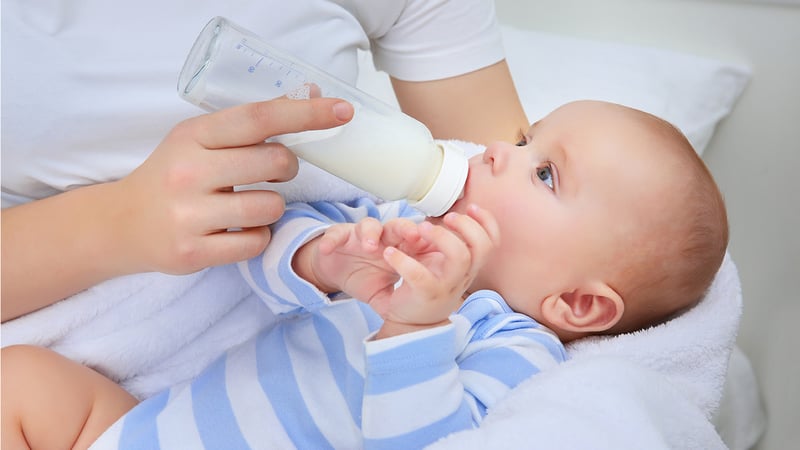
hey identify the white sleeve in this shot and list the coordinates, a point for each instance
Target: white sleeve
(435, 39)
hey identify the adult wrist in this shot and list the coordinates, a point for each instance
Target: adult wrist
(111, 236)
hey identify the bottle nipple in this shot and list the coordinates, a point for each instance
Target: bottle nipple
(449, 183)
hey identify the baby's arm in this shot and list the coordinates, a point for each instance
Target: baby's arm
(420, 387)
(280, 276)
(437, 263)
(50, 401)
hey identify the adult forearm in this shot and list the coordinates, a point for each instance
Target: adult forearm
(480, 106)
(58, 246)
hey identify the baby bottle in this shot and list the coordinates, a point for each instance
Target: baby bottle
(381, 150)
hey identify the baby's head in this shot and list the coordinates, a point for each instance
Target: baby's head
(609, 221)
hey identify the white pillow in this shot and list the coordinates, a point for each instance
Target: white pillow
(691, 92)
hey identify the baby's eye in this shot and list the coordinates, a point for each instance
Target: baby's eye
(522, 142)
(545, 173)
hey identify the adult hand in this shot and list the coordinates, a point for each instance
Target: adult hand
(181, 213)
(172, 214)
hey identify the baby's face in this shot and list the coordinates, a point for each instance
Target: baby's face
(567, 202)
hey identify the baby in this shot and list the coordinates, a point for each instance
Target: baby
(601, 220)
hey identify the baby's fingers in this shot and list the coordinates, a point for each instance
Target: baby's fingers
(335, 236)
(368, 232)
(487, 221)
(399, 231)
(412, 271)
(444, 241)
(478, 229)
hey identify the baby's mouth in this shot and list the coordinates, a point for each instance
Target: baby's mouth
(463, 193)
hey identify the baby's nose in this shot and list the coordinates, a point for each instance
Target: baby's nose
(497, 153)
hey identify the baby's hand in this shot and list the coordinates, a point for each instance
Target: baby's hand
(349, 257)
(437, 266)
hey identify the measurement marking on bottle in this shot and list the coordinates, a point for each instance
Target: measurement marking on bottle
(273, 65)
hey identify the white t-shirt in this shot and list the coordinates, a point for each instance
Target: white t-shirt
(89, 86)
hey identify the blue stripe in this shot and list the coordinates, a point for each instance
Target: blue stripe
(404, 210)
(475, 310)
(481, 407)
(284, 394)
(502, 364)
(140, 430)
(482, 304)
(461, 419)
(301, 290)
(295, 211)
(256, 268)
(522, 326)
(304, 293)
(536, 334)
(370, 207)
(347, 378)
(331, 211)
(212, 409)
(491, 315)
(552, 344)
(411, 363)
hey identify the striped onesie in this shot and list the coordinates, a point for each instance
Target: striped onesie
(314, 380)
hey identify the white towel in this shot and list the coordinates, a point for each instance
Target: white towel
(151, 331)
(148, 331)
(656, 388)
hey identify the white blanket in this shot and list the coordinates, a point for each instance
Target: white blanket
(652, 389)
(657, 388)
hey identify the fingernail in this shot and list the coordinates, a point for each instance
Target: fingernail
(343, 111)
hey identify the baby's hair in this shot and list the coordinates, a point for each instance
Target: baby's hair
(670, 273)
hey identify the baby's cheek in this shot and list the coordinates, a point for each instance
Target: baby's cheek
(507, 210)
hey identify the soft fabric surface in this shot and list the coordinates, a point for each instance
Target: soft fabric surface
(652, 389)
(656, 388)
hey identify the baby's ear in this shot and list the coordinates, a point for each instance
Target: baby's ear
(591, 308)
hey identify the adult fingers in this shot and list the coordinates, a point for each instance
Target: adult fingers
(251, 123)
(232, 246)
(244, 209)
(252, 164)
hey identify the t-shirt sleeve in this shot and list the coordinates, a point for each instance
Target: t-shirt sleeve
(435, 39)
